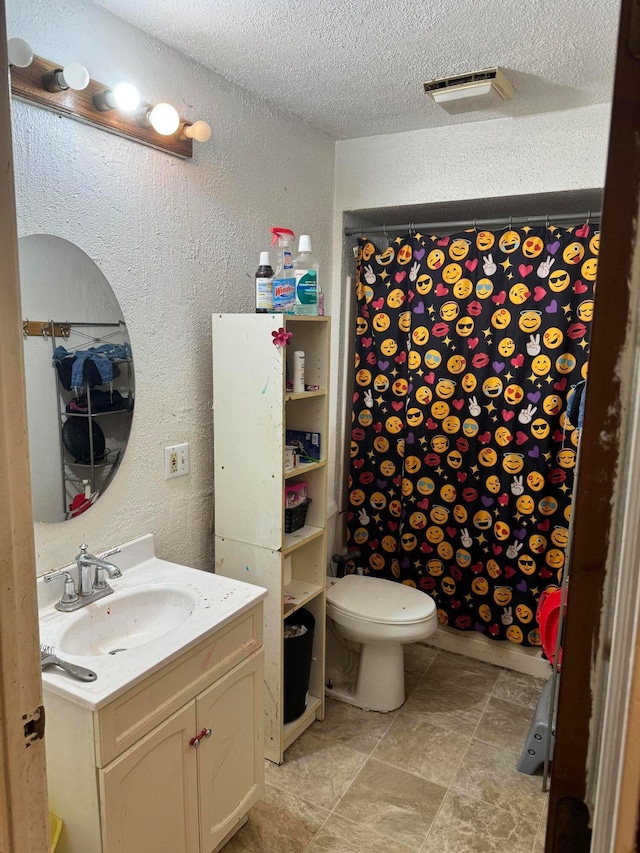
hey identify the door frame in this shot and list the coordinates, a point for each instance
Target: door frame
(24, 825)
(602, 612)
(596, 546)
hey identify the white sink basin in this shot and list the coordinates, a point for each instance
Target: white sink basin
(125, 620)
(157, 611)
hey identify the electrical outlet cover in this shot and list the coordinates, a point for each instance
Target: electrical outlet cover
(176, 461)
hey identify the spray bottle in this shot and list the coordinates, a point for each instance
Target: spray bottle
(284, 283)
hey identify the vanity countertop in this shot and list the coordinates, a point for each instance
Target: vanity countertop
(196, 603)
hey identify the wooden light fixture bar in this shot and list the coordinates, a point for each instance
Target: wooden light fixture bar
(27, 85)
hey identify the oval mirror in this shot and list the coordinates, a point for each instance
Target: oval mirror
(79, 376)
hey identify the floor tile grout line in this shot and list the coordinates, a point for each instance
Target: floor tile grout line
(392, 720)
(464, 755)
(318, 831)
(355, 823)
(408, 772)
(375, 832)
(372, 755)
(542, 826)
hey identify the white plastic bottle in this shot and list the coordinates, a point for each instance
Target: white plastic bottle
(305, 267)
(298, 371)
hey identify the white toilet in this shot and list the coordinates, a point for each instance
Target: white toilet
(380, 616)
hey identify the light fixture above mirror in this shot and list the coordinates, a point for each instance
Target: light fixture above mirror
(70, 91)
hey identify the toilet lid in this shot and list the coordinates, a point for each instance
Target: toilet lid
(380, 600)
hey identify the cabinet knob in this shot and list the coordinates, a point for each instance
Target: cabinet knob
(195, 741)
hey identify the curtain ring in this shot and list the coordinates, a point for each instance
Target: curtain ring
(510, 223)
(475, 225)
(385, 232)
(588, 217)
(546, 222)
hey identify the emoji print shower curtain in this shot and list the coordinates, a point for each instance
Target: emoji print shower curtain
(462, 457)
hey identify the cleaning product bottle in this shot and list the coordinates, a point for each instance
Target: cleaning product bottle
(283, 281)
(264, 285)
(306, 272)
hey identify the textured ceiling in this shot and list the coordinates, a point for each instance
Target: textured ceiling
(355, 67)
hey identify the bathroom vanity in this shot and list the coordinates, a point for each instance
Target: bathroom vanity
(164, 751)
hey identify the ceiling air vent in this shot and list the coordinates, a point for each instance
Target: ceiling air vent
(464, 93)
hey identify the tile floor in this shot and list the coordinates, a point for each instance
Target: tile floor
(436, 775)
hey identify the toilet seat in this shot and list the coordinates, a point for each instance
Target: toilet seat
(369, 599)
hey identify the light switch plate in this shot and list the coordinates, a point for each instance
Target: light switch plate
(176, 461)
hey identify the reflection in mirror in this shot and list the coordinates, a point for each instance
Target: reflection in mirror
(79, 375)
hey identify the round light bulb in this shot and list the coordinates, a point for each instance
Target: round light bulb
(164, 119)
(199, 130)
(20, 53)
(126, 97)
(75, 76)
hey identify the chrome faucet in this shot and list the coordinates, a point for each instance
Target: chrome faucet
(88, 584)
(91, 584)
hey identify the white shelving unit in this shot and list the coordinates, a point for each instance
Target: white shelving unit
(251, 412)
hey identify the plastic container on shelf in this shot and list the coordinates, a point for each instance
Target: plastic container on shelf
(298, 653)
(295, 517)
(306, 273)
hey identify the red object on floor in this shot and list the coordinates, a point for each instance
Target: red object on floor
(548, 615)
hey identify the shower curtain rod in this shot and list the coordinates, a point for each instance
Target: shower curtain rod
(461, 224)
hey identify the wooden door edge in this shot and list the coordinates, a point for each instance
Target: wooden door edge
(24, 824)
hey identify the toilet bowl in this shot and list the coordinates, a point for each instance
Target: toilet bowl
(380, 616)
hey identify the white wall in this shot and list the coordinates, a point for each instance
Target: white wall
(175, 240)
(549, 153)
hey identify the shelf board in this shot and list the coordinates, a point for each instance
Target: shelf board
(302, 593)
(304, 469)
(301, 537)
(303, 395)
(291, 731)
(88, 465)
(95, 414)
(306, 318)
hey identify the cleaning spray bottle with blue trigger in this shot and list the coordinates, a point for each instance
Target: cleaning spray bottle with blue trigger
(284, 283)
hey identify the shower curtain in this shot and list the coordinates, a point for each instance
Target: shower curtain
(462, 457)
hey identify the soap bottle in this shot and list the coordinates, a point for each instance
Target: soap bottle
(283, 281)
(264, 285)
(306, 272)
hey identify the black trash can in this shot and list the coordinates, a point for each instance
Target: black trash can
(297, 664)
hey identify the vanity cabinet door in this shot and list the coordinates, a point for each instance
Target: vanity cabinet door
(149, 796)
(231, 760)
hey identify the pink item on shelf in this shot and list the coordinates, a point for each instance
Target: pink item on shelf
(295, 494)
